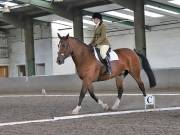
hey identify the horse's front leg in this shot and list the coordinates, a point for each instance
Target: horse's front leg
(87, 85)
(81, 96)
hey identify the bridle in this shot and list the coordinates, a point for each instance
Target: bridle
(63, 56)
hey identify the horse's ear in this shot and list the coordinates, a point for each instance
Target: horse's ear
(59, 35)
(67, 36)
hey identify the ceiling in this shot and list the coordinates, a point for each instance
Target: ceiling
(90, 6)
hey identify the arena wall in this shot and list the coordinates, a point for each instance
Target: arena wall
(167, 80)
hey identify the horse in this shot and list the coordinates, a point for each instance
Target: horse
(90, 70)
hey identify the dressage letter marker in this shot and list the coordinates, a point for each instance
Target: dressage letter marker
(43, 92)
(149, 101)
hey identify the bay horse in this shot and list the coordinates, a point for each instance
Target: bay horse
(91, 70)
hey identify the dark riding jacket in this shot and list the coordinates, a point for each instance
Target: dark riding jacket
(99, 37)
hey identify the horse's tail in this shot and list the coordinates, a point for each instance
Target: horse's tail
(147, 68)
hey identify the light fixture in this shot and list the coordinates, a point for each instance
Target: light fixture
(71, 24)
(6, 9)
(177, 2)
(63, 22)
(85, 27)
(161, 9)
(118, 14)
(58, 0)
(108, 21)
(7, 5)
(10, 4)
(126, 9)
(88, 16)
(148, 13)
(152, 14)
(55, 0)
(88, 22)
(105, 20)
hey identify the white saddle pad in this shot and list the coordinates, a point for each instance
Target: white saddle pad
(113, 55)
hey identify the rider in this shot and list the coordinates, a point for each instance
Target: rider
(100, 40)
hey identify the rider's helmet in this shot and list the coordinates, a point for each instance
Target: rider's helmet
(97, 15)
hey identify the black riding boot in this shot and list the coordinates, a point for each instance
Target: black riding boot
(108, 66)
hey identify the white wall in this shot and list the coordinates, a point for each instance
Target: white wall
(163, 48)
(163, 45)
(45, 45)
(42, 45)
(3, 42)
(43, 54)
(68, 67)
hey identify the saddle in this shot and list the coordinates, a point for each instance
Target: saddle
(110, 54)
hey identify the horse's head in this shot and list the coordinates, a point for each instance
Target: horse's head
(64, 49)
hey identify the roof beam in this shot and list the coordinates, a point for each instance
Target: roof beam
(114, 19)
(39, 14)
(3, 30)
(52, 8)
(162, 5)
(10, 19)
(130, 4)
(90, 3)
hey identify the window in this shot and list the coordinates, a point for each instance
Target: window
(3, 71)
(4, 50)
(40, 69)
(21, 70)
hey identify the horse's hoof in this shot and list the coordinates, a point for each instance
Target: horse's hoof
(116, 105)
(76, 110)
(114, 108)
(105, 107)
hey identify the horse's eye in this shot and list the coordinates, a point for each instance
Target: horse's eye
(59, 45)
(63, 45)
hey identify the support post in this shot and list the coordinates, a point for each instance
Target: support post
(78, 25)
(139, 21)
(29, 47)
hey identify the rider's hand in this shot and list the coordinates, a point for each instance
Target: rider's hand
(93, 44)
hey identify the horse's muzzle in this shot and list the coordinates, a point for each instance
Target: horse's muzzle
(60, 60)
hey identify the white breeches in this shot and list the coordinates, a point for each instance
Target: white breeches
(103, 50)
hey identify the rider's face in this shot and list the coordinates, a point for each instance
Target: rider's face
(96, 20)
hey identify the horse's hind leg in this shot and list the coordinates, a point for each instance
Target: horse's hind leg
(136, 76)
(119, 85)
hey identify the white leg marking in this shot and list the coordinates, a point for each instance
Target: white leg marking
(104, 106)
(76, 110)
(116, 104)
